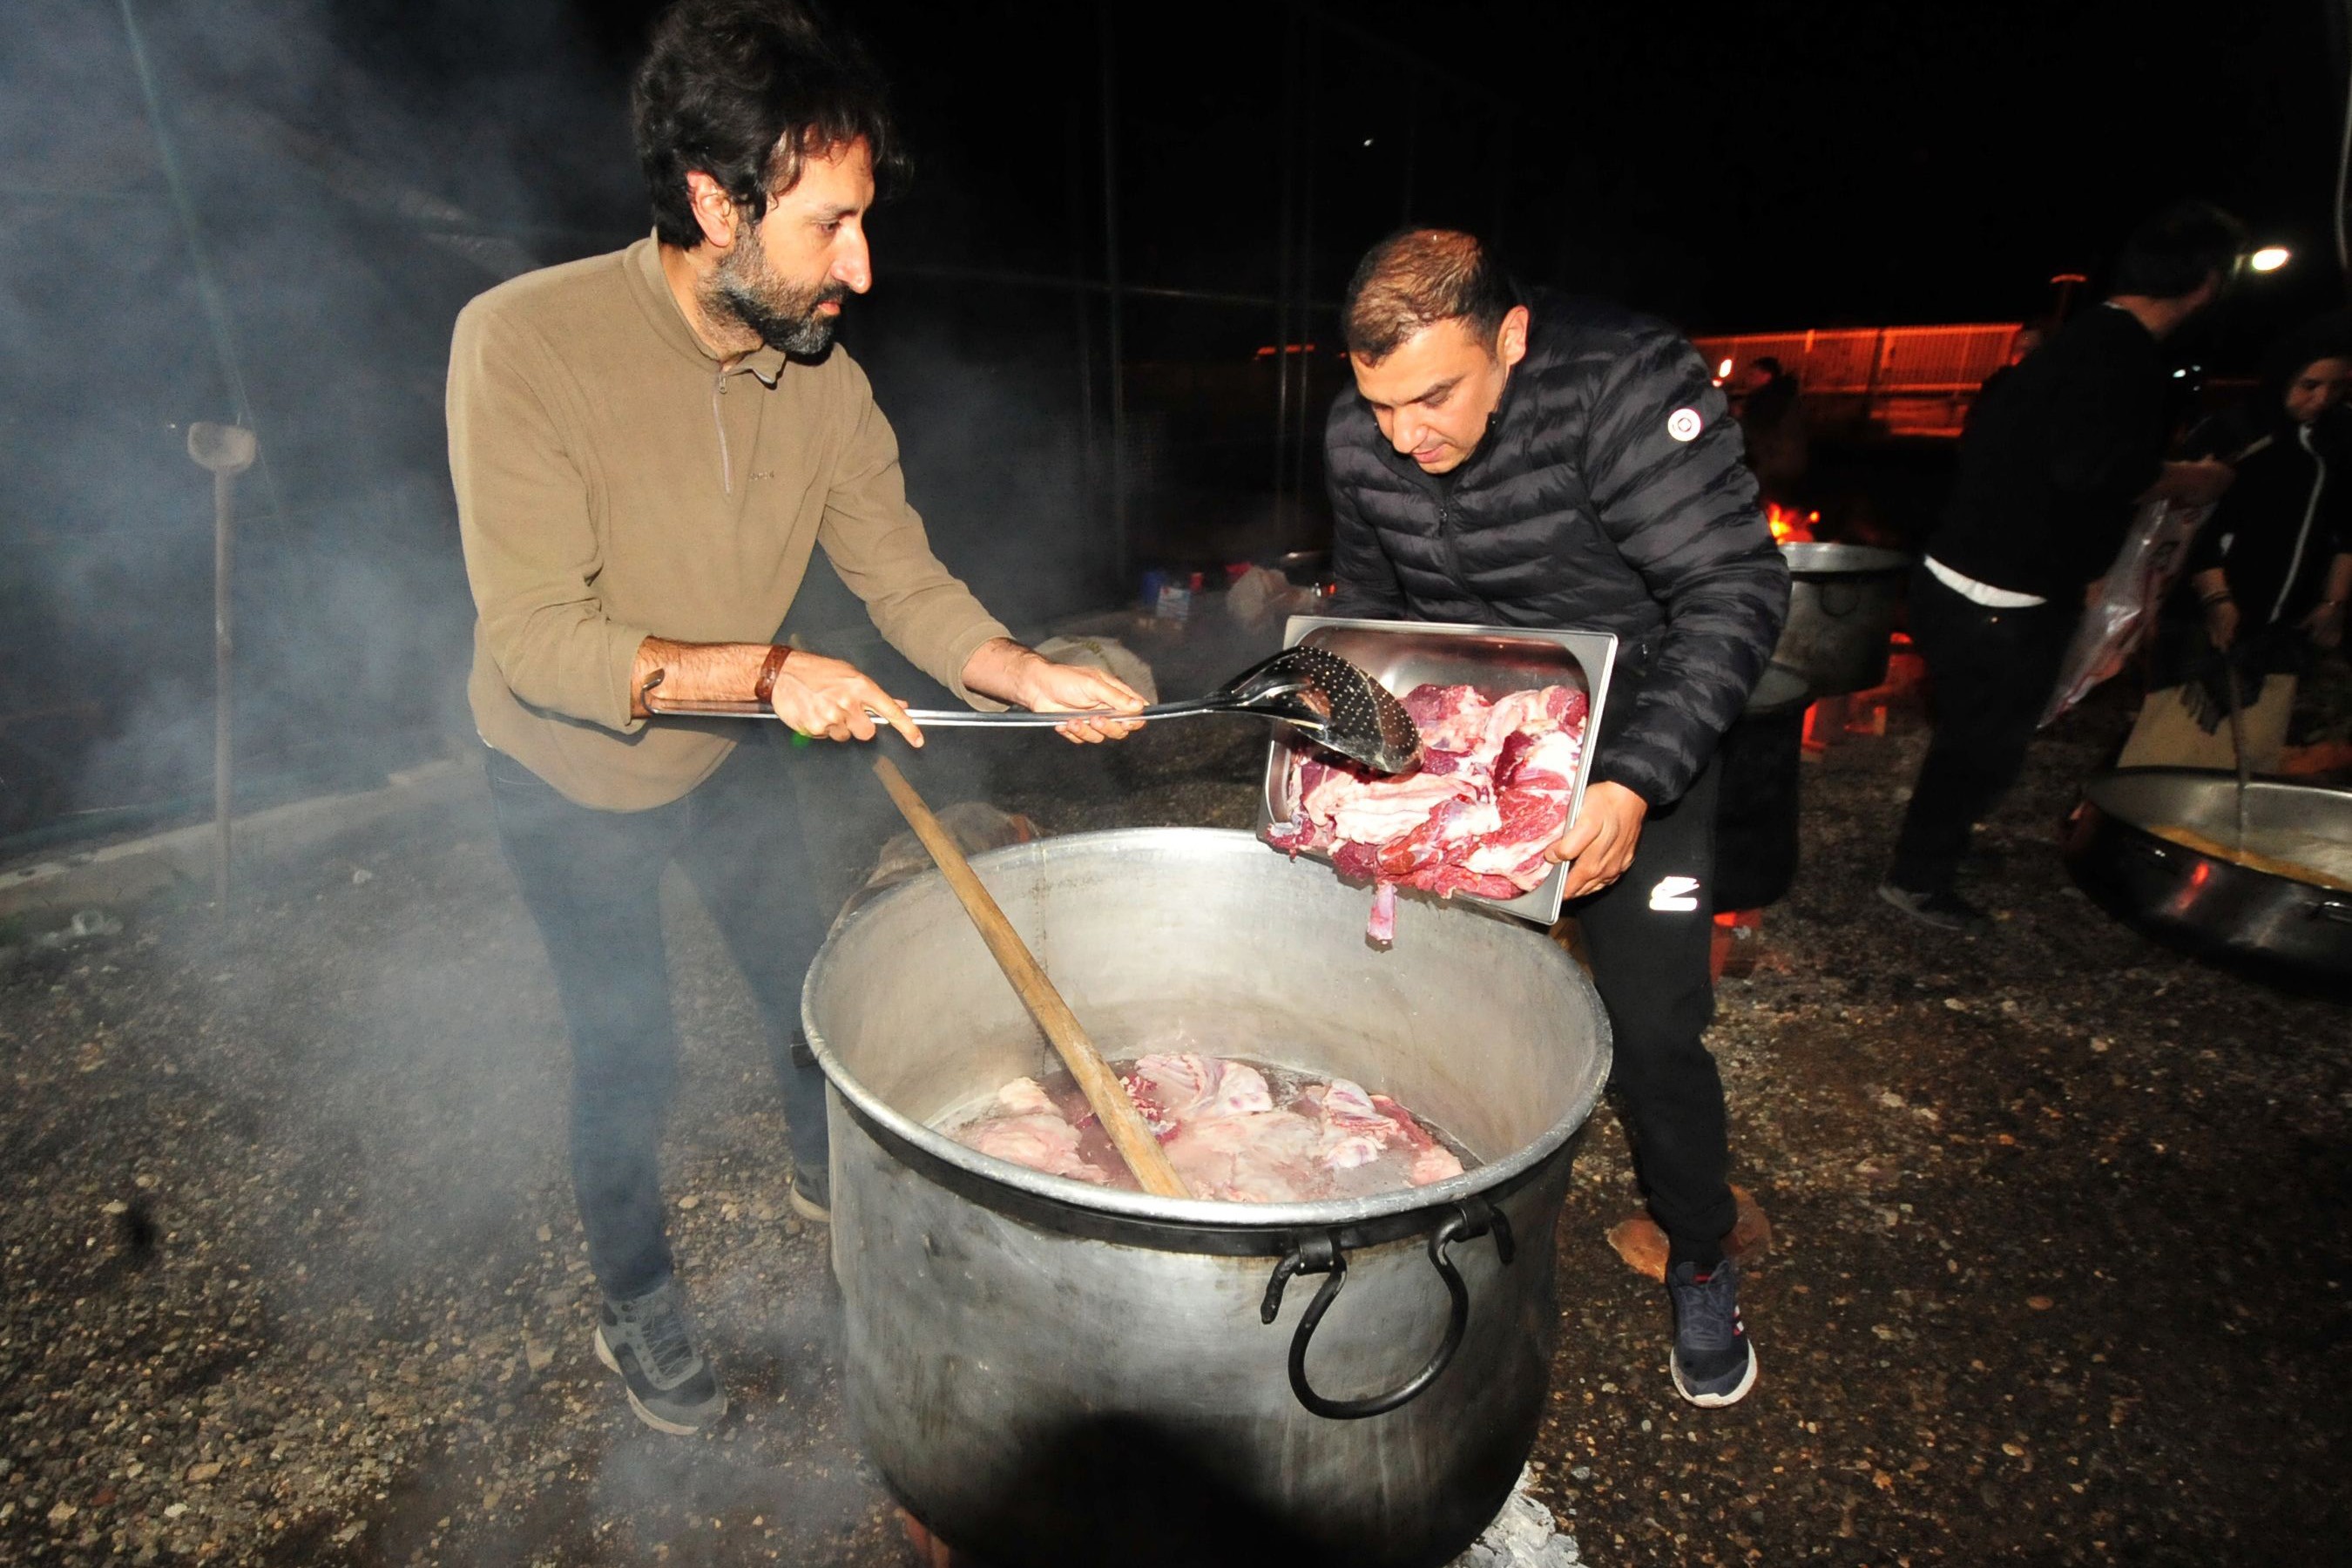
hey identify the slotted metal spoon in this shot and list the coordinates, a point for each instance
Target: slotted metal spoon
(1335, 704)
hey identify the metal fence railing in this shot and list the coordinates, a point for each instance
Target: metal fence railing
(1911, 380)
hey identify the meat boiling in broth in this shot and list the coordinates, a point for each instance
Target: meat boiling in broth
(1236, 1132)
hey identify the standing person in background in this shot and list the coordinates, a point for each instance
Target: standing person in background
(1772, 422)
(2021, 344)
(648, 446)
(2267, 577)
(1547, 461)
(2054, 458)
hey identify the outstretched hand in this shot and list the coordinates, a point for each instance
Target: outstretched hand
(1044, 687)
(827, 698)
(1003, 669)
(1599, 845)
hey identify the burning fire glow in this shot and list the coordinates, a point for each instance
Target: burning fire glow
(1789, 525)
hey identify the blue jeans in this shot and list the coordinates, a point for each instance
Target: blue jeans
(592, 879)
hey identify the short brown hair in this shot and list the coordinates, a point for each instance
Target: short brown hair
(1417, 278)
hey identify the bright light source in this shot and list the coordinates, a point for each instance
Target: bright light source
(2178, 375)
(2269, 259)
(1367, 141)
(1722, 370)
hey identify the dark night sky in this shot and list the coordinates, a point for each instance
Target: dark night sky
(1759, 165)
(1751, 166)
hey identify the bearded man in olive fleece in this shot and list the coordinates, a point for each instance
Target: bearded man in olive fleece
(646, 447)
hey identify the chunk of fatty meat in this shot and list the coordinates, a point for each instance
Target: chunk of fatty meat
(1358, 1128)
(1491, 794)
(1231, 1134)
(1024, 1127)
(1171, 1089)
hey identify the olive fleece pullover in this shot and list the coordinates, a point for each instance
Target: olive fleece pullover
(615, 481)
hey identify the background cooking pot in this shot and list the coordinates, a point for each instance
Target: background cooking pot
(1049, 1371)
(1842, 604)
(2287, 930)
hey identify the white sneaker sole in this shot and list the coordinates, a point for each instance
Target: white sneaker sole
(604, 1354)
(1715, 1401)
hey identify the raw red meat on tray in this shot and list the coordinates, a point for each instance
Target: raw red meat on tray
(1491, 794)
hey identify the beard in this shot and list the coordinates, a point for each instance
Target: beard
(745, 290)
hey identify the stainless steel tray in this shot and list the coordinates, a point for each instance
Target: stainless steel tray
(1402, 654)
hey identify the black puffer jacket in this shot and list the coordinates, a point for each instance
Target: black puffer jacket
(1609, 495)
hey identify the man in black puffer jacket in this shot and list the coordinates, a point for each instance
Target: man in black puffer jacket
(1559, 462)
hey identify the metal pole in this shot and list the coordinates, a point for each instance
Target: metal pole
(1122, 546)
(1502, 180)
(223, 703)
(1411, 140)
(1877, 363)
(1287, 138)
(1083, 327)
(228, 450)
(1302, 270)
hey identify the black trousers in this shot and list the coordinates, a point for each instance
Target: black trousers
(592, 881)
(1648, 935)
(1991, 673)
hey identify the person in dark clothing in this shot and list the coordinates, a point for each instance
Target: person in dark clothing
(2265, 582)
(1772, 420)
(1547, 461)
(2054, 458)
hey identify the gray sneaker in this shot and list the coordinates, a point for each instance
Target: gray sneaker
(1944, 910)
(811, 1196)
(649, 1340)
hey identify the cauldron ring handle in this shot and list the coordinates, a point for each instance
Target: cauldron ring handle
(1323, 1255)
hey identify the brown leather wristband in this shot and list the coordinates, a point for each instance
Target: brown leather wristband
(763, 692)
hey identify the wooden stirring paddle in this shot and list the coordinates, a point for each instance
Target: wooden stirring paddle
(1129, 1134)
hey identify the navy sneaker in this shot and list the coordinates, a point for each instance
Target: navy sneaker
(1714, 1365)
(649, 1340)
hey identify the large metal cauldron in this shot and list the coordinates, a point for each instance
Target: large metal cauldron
(2278, 927)
(1047, 1371)
(1841, 604)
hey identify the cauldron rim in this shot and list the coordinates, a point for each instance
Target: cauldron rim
(1172, 1216)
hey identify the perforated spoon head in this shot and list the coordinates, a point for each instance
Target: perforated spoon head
(1338, 705)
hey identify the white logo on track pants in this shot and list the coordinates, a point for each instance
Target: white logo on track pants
(1674, 895)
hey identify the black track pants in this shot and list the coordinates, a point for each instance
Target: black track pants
(1990, 672)
(1648, 935)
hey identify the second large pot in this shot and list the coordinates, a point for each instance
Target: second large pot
(1049, 1371)
(1841, 604)
(2291, 933)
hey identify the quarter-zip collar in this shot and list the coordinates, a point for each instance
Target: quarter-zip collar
(650, 289)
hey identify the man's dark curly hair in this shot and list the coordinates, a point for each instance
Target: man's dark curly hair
(747, 91)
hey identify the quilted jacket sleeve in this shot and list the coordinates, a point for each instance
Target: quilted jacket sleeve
(1663, 460)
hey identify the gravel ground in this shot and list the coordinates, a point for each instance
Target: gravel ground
(293, 1275)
